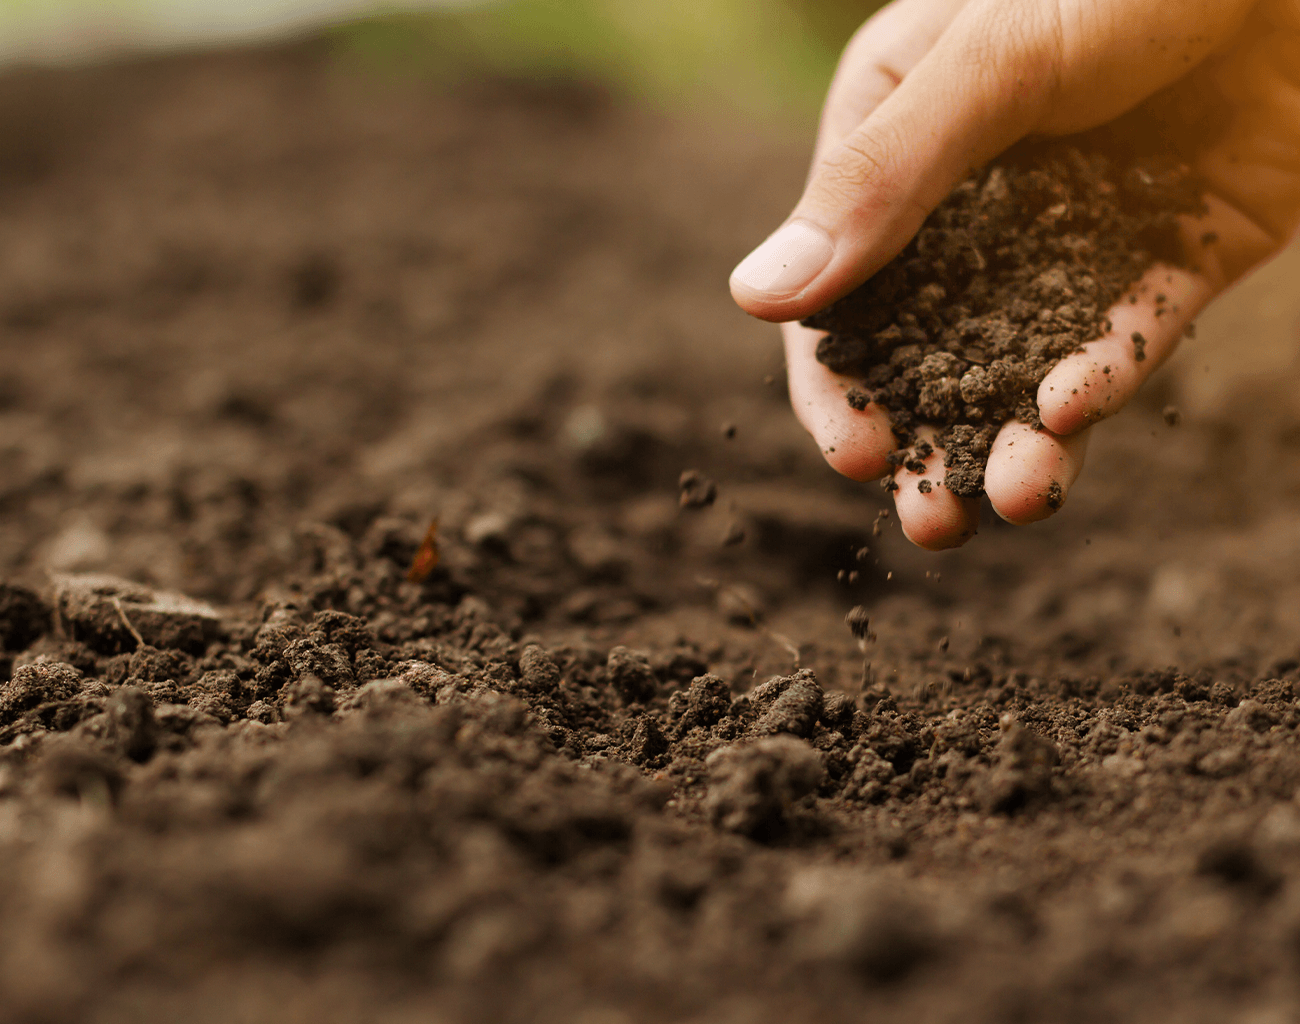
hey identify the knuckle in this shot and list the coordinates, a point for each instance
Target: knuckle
(1022, 45)
(861, 165)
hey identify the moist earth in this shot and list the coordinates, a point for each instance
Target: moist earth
(618, 757)
(1014, 270)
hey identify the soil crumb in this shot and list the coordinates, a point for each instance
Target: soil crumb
(697, 490)
(859, 621)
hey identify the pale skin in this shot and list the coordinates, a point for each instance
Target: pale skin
(928, 89)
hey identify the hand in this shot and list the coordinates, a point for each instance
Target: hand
(930, 88)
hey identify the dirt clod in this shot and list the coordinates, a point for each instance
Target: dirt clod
(697, 490)
(858, 621)
(631, 675)
(1023, 771)
(753, 786)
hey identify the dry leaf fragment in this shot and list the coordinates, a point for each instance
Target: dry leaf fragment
(426, 558)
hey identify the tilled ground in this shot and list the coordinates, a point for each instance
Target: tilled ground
(264, 318)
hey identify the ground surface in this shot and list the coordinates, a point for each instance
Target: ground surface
(263, 319)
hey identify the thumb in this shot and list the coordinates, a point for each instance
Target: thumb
(1002, 70)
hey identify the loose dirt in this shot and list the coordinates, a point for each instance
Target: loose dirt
(265, 317)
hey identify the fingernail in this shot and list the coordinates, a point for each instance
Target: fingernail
(787, 262)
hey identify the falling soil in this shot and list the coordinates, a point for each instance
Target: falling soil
(264, 317)
(1014, 270)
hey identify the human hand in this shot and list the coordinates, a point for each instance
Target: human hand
(928, 89)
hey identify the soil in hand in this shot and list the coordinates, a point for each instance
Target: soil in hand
(1014, 270)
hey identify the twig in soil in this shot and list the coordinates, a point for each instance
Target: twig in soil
(121, 614)
(426, 558)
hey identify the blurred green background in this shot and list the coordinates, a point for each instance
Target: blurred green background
(763, 56)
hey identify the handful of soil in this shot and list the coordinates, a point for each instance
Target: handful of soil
(1014, 270)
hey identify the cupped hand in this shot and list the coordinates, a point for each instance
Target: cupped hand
(928, 89)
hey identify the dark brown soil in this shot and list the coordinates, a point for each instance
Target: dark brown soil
(1013, 271)
(264, 317)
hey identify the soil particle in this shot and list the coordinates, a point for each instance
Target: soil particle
(538, 669)
(704, 704)
(1055, 496)
(753, 786)
(966, 452)
(697, 490)
(42, 682)
(858, 621)
(112, 614)
(1139, 347)
(793, 704)
(129, 725)
(1013, 271)
(630, 675)
(1023, 770)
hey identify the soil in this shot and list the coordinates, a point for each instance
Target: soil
(1014, 270)
(265, 317)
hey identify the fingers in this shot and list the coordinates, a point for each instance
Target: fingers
(932, 517)
(857, 444)
(999, 70)
(1028, 477)
(1145, 329)
(876, 59)
(854, 442)
(1030, 472)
